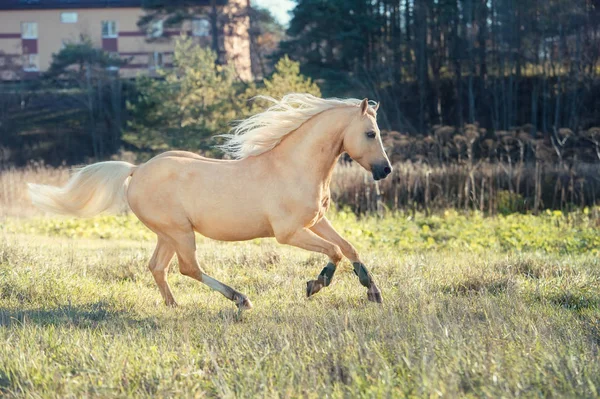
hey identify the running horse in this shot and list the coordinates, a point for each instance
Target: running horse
(277, 185)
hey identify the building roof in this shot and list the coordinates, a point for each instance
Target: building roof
(58, 4)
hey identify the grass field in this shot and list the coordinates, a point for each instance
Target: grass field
(474, 306)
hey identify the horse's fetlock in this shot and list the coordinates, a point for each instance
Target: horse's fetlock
(363, 274)
(337, 255)
(327, 273)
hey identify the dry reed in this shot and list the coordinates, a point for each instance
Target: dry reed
(488, 187)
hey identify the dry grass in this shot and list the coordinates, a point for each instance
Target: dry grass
(486, 187)
(490, 188)
(14, 199)
(83, 318)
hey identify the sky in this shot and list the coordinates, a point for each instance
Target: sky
(279, 8)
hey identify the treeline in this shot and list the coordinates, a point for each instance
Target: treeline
(501, 63)
(81, 111)
(65, 122)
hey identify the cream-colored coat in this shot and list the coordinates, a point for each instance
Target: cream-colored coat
(282, 192)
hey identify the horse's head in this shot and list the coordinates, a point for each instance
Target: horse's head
(362, 141)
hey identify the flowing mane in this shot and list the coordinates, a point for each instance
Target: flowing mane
(263, 131)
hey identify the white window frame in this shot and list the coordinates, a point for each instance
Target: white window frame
(156, 60)
(156, 29)
(198, 29)
(29, 30)
(115, 31)
(31, 66)
(69, 17)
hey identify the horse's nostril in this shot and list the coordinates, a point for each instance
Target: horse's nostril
(387, 170)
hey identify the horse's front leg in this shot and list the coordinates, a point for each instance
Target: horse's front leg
(306, 239)
(325, 230)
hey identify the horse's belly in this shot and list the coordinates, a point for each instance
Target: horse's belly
(229, 228)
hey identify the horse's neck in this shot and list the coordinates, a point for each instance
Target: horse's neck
(313, 149)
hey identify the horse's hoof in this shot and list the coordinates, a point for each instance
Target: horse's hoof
(244, 303)
(312, 287)
(374, 295)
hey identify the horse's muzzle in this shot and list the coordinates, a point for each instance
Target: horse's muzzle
(380, 171)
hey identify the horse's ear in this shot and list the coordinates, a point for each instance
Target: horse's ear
(364, 106)
(376, 107)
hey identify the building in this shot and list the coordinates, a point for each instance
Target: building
(32, 30)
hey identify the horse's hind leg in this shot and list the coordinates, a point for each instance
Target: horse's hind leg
(159, 266)
(185, 246)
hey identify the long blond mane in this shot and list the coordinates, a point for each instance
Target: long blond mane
(262, 132)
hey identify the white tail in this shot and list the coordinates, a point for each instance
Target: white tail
(92, 190)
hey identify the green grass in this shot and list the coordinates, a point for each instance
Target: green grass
(473, 307)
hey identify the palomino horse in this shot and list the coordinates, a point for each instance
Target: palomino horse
(278, 186)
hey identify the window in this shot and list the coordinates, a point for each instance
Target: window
(155, 60)
(29, 30)
(114, 61)
(201, 27)
(68, 17)
(109, 29)
(156, 29)
(31, 63)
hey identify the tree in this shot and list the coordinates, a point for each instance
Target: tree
(74, 60)
(197, 100)
(94, 72)
(187, 106)
(265, 35)
(497, 62)
(287, 79)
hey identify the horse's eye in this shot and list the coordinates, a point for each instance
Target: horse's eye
(371, 135)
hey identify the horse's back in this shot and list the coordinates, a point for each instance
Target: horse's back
(189, 155)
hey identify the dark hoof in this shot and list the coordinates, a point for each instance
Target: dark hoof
(312, 287)
(171, 303)
(374, 295)
(243, 303)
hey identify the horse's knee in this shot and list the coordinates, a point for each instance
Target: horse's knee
(336, 254)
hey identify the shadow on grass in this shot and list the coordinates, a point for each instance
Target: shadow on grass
(89, 315)
(100, 314)
(574, 300)
(478, 285)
